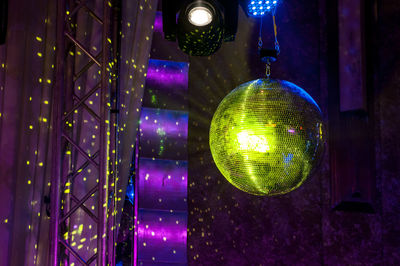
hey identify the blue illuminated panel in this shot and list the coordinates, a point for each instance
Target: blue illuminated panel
(260, 8)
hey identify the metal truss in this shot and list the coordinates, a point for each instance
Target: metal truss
(70, 157)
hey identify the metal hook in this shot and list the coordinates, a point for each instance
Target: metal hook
(268, 69)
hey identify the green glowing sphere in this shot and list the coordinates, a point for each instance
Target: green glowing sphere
(266, 136)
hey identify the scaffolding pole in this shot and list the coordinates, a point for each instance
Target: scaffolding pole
(64, 105)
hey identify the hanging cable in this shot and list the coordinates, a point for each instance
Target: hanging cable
(260, 42)
(277, 48)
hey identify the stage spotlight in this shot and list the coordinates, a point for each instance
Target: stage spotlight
(202, 25)
(200, 34)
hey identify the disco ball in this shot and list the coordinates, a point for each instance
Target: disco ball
(266, 136)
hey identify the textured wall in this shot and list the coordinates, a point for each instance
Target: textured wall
(227, 226)
(387, 82)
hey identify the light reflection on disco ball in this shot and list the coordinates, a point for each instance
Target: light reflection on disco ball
(266, 136)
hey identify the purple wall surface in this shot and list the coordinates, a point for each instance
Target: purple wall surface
(163, 134)
(163, 184)
(162, 170)
(162, 237)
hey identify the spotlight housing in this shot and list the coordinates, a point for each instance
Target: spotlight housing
(202, 25)
(200, 40)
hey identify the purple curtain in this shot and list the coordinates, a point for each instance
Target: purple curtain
(137, 36)
(26, 80)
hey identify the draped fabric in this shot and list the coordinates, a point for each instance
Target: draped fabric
(26, 83)
(137, 33)
(27, 77)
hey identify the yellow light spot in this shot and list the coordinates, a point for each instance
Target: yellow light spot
(80, 229)
(38, 39)
(30, 127)
(39, 54)
(46, 102)
(6, 221)
(48, 81)
(29, 182)
(27, 162)
(41, 164)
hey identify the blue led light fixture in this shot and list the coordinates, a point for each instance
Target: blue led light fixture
(258, 8)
